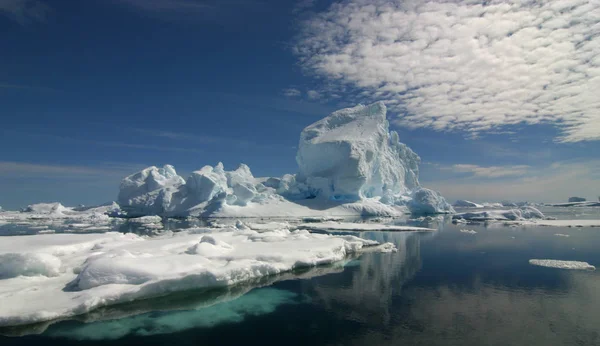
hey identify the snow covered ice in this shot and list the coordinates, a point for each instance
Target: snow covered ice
(349, 163)
(82, 272)
(577, 265)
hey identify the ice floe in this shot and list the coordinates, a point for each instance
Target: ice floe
(82, 272)
(562, 264)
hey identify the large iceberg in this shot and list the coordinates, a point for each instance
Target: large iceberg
(349, 163)
(351, 155)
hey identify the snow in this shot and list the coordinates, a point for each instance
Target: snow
(562, 264)
(82, 272)
(349, 163)
(17, 264)
(523, 213)
(466, 204)
(348, 226)
(467, 231)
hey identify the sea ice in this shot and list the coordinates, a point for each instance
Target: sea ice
(562, 264)
(468, 231)
(82, 272)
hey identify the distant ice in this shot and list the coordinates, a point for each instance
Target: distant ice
(576, 204)
(562, 264)
(557, 223)
(523, 213)
(348, 226)
(562, 235)
(468, 231)
(466, 204)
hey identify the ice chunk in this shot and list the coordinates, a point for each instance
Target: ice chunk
(149, 191)
(425, 201)
(466, 204)
(502, 215)
(562, 264)
(531, 213)
(46, 208)
(468, 231)
(205, 184)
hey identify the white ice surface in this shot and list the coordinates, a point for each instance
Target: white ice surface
(349, 226)
(468, 231)
(562, 264)
(59, 275)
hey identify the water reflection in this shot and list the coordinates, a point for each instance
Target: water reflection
(366, 293)
(190, 309)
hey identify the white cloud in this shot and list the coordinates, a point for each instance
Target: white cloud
(487, 172)
(24, 11)
(465, 65)
(291, 92)
(313, 94)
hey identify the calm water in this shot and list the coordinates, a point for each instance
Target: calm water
(442, 288)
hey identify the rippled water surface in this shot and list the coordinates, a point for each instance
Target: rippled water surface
(442, 288)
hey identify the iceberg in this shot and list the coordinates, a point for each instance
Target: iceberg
(349, 163)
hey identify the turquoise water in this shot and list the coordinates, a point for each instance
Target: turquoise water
(441, 288)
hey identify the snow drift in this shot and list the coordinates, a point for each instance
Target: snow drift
(349, 163)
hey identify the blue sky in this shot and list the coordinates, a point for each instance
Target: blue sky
(91, 91)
